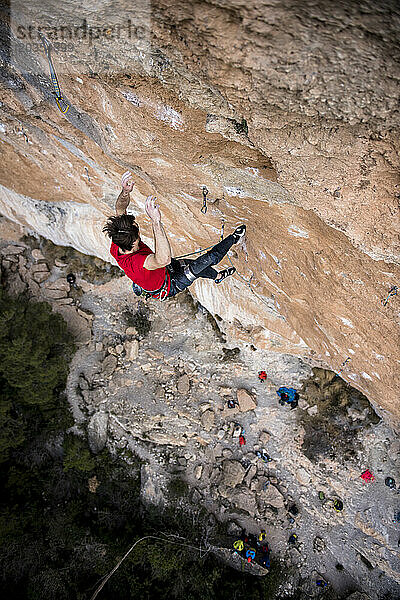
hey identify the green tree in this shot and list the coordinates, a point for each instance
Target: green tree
(35, 348)
(77, 454)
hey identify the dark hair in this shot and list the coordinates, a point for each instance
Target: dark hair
(123, 230)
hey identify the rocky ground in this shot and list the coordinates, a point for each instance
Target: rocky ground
(154, 379)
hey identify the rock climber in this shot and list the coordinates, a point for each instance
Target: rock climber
(156, 274)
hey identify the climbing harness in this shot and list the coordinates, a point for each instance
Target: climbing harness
(146, 294)
(262, 376)
(205, 194)
(367, 477)
(61, 102)
(392, 292)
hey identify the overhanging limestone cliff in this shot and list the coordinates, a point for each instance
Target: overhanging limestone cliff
(285, 111)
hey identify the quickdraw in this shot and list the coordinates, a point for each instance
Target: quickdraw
(205, 194)
(342, 366)
(61, 102)
(392, 292)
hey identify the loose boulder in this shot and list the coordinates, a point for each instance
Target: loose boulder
(232, 473)
(132, 349)
(97, 432)
(208, 419)
(245, 400)
(183, 384)
(109, 365)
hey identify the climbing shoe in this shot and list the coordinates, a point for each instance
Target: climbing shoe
(239, 233)
(223, 274)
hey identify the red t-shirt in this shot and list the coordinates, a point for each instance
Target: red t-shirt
(132, 265)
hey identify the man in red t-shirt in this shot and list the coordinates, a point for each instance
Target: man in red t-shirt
(156, 274)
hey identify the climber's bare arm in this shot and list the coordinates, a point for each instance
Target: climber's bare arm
(162, 255)
(124, 198)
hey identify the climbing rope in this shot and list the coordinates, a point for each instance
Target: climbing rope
(392, 292)
(192, 253)
(246, 281)
(146, 537)
(61, 102)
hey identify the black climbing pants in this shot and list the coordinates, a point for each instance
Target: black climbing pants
(198, 267)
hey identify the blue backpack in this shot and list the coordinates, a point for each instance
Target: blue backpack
(288, 396)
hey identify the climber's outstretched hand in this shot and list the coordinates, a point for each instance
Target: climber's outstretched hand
(153, 209)
(127, 182)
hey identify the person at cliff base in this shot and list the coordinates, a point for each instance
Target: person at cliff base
(156, 274)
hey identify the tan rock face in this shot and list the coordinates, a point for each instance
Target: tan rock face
(280, 111)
